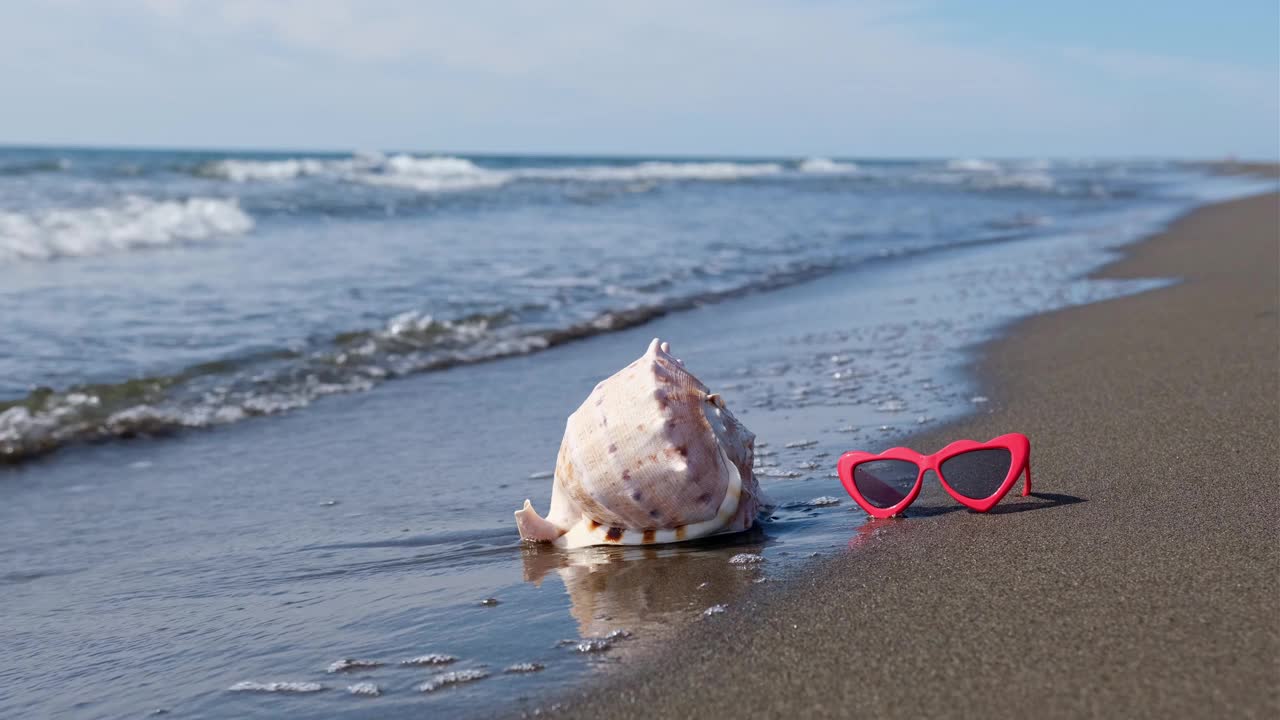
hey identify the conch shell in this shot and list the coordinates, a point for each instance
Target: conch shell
(650, 457)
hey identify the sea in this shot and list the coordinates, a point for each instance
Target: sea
(264, 415)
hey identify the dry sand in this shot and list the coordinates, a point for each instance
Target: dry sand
(1139, 581)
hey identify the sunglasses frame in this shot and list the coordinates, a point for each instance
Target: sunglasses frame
(1017, 444)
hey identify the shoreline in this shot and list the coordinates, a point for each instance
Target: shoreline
(1152, 596)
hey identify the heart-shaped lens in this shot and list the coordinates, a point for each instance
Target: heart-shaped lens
(977, 474)
(885, 483)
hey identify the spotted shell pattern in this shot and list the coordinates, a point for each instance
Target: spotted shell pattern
(651, 456)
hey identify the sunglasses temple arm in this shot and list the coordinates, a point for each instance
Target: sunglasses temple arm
(1026, 487)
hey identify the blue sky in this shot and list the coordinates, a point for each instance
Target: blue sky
(734, 77)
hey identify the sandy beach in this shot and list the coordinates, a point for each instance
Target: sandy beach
(1140, 580)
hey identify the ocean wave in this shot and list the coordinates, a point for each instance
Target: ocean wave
(826, 165)
(229, 391)
(134, 222)
(990, 180)
(654, 170)
(1031, 180)
(244, 171)
(440, 173)
(973, 165)
(267, 170)
(1019, 221)
(410, 342)
(990, 175)
(35, 166)
(443, 173)
(431, 174)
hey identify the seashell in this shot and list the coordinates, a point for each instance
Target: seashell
(651, 456)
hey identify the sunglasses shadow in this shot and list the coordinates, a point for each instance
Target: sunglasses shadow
(1043, 500)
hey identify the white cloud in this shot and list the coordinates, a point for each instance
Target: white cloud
(757, 76)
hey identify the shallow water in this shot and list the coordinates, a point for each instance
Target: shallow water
(373, 526)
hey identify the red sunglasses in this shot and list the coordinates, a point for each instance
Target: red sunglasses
(975, 474)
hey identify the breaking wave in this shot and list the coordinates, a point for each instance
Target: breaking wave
(656, 170)
(444, 173)
(33, 167)
(973, 165)
(268, 170)
(228, 391)
(429, 174)
(1026, 180)
(980, 175)
(134, 222)
(826, 165)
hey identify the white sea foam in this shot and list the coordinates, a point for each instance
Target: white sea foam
(431, 174)
(442, 173)
(430, 659)
(1032, 180)
(821, 165)
(346, 664)
(456, 677)
(593, 645)
(995, 179)
(280, 687)
(134, 222)
(973, 165)
(655, 170)
(824, 501)
(988, 175)
(269, 170)
(425, 174)
(292, 168)
(436, 165)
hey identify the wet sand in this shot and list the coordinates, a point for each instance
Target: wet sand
(1140, 579)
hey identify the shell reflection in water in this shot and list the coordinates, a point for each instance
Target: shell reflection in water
(648, 590)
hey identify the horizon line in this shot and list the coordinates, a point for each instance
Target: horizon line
(6, 145)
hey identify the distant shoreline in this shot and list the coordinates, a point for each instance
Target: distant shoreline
(1245, 167)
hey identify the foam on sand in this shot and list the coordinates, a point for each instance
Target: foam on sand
(135, 222)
